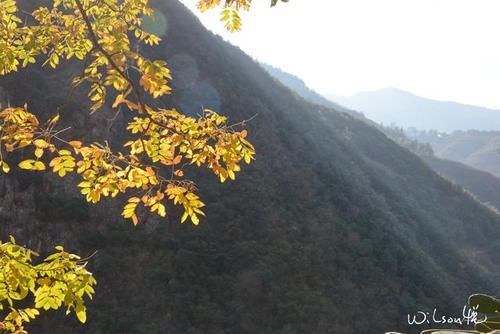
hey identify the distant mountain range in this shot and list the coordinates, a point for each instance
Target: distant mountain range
(468, 158)
(394, 106)
(457, 132)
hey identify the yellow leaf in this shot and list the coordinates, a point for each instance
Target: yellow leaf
(129, 209)
(38, 165)
(54, 120)
(135, 220)
(119, 100)
(134, 200)
(75, 143)
(5, 167)
(161, 210)
(64, 152)
(223, 175)
(40, 143)
(84, 184)
(184, 217)
(26, 164)
(54, 162)
(81, 314)
(38, 152)
(54, 60)
(194, 219)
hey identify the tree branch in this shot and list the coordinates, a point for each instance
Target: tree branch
(95, 42)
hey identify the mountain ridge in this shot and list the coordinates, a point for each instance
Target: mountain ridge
(407, 110)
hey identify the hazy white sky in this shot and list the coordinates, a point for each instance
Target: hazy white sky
(443, 49)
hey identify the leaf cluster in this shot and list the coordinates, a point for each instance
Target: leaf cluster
(60, 280)
(230, 12)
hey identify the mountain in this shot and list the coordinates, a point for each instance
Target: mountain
(478, 149)
(333, 229)
(484, 186)
(395, 106)
(471, 148)
(298, 86)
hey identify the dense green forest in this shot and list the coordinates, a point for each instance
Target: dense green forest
(482, 185)
(335, 228)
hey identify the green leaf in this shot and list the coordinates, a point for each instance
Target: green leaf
(484, 304)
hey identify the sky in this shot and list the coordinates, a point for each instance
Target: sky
(441, 49)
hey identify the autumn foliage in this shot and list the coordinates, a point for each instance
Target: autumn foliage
(162, 142)
(230, 12)
(60, 280)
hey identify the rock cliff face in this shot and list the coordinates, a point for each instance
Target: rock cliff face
(333, 229)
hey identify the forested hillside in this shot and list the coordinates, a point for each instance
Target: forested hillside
(333, 229)
(478, 149)
(482, 185)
